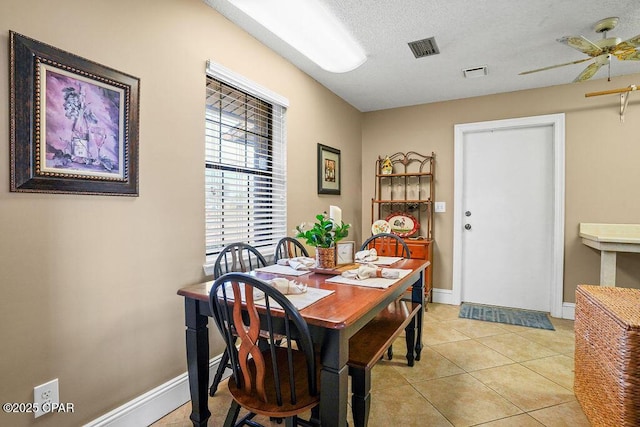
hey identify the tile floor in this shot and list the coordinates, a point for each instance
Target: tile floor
(471, 373)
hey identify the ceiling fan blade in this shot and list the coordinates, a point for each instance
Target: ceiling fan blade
(626, 51)
(589, 72)
(633, 41)
(633, 56)
(582, 44)
(554, 66)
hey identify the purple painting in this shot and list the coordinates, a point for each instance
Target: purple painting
(82, 125)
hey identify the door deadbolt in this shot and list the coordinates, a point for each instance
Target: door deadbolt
(467, 226)
(467, 213)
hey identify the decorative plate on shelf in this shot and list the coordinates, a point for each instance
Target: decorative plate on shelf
(402, 224)
(380, 226)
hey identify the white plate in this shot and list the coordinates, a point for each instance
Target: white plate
(380, 226)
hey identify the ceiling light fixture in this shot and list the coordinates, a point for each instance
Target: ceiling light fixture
(309, 28)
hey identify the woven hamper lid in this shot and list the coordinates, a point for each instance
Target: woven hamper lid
(623, 303)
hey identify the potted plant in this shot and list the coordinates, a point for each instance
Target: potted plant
(323, 235)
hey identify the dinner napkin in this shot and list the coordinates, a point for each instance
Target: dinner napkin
(288, 287)
(367, 255)
(366, 271)
(298, 263)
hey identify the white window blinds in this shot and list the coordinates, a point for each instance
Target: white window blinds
(245, 170)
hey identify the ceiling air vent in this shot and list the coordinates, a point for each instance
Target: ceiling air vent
(425, 47)
(474, 72)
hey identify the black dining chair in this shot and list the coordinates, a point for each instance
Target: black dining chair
(236, 257)
(278, 381)
(288, 247)
(388, 244)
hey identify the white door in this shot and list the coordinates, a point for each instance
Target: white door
(507, 215)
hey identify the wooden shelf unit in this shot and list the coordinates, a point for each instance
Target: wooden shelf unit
(409, 189)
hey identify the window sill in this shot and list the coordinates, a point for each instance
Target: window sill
(208, 269)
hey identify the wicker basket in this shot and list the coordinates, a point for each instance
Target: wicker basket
(607, 358)
(326, 257)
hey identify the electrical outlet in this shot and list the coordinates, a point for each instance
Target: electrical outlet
(440, 207)
(44, 396)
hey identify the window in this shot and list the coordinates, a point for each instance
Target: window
(245, 167)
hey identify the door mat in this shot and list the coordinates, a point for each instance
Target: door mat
(510, 316)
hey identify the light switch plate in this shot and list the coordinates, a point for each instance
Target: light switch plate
(440, 207)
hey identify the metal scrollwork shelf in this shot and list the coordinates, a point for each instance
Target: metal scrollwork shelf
(405, 192)
(407, 186)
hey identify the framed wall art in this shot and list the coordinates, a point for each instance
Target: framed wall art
(328, 170)
(74, 123)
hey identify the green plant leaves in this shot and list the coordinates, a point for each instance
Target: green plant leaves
(324, 233)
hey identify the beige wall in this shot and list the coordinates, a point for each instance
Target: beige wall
(602, 173)
(89, 282)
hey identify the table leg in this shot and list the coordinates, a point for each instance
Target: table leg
(361, 399)
(417, 295)
(410, 336)
(197, 361)
(334, 379)
(607, 268)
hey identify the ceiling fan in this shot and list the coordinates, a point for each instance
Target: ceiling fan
(600, 51)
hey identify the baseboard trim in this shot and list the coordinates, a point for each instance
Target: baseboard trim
(569, 310)
(154, 404)
(443, 296)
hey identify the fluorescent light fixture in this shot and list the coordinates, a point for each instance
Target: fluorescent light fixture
(310, 28)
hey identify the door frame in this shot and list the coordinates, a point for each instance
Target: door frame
(558, 126)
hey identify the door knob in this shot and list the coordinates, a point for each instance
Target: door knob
(467, 226)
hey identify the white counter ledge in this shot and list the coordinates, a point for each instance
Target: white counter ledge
(610, 239)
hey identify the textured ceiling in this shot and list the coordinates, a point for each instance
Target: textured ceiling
(508, 36)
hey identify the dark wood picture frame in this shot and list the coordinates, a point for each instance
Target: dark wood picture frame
(73, 123)
(329, 174)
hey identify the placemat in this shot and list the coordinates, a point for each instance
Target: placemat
(383, 260)
(285, 270)
(373, 282)
(299, 301)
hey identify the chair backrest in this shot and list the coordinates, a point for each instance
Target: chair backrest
(288, 247)
(390, 244)
(238, 257)
(267, 372)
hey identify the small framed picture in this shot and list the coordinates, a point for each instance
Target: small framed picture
(345, 252)
(328, 170)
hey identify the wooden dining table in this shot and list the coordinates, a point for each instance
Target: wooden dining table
(332, 321)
